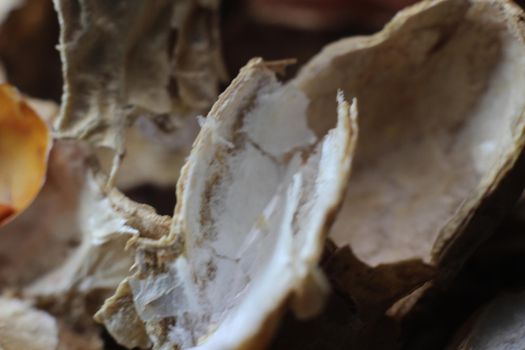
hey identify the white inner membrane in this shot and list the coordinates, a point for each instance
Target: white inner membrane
(257, 193)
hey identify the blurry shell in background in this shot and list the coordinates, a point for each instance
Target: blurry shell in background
(123, 59)
(22, 327)
(66, 251)
(29, 60)
(440, 158)
(7, 6)
(255, 200)
(25, 140)
(498, 325)
(152, 156)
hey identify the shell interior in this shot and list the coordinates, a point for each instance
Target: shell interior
(441, 114)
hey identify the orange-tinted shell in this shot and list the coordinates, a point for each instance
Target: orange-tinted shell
(24, 146)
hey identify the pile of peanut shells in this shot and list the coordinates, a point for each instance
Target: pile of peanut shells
(351, 205)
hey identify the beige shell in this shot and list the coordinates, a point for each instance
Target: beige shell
(117, 64)
(152, 156)
(440, 157)
(442, 142)
(255, 200)
(22, 327)
(439, 161)
(66, 252)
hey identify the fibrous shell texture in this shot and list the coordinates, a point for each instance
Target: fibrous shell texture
(255, 200)
(440, 158)
(442, 145)
(117, 63)
(67, 250)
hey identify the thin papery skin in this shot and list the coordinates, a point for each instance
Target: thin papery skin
(255, 199)
(25, 141)
(66, 252)
(152, 156)
(117, 64)
(441, 158)
(23, 327)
